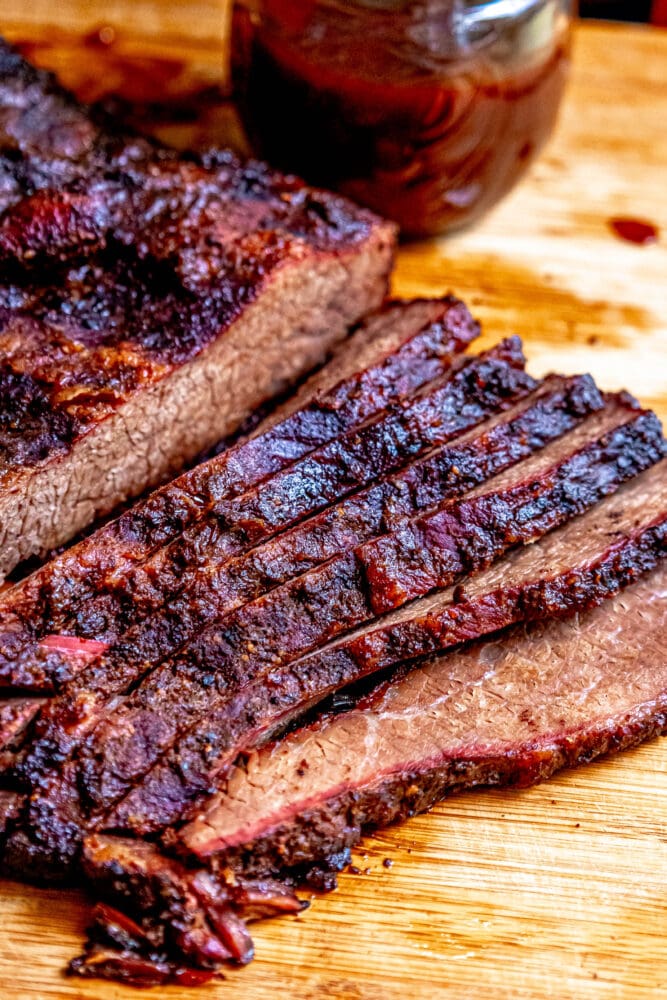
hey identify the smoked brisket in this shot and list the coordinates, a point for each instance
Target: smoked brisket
(477, 387)
(516, 588)
(428, 553)
(195, 293)
(422, 572)
(473, 389)
(511, 710)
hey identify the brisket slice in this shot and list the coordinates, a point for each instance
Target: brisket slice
(475, 387)
(255, 709)
(510, 711)
(128, 737)
(393, 353)
(207, 273)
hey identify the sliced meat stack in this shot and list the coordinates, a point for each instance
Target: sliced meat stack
(381, 517)
(469, 718)
(426, 570)
(148, 304)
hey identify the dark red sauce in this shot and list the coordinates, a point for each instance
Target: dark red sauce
(431, 143)
(634, 230)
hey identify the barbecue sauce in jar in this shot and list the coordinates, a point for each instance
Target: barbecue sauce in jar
(428, 112)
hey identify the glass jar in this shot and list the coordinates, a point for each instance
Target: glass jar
(428, 112)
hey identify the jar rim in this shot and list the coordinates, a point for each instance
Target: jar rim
(498, 10)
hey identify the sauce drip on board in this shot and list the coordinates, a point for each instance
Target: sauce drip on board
(634, 230)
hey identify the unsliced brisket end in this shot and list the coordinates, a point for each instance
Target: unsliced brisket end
(511, 711)
(393, 353)
(516, 588)
(211, 290)
(78, 434)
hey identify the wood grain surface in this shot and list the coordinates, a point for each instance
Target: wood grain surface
(559, 891)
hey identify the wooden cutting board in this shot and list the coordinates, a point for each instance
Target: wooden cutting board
(559, 891)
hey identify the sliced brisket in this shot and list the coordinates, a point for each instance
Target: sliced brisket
(475, 388)
(318, 569)
(507, 711)
(256, 641)
(393, 353)
(207, 567)
(173, 697)
(516, 588)
(66, 720)
(510, 711)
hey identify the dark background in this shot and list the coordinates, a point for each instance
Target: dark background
(637, 10)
